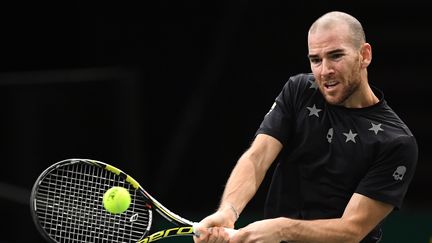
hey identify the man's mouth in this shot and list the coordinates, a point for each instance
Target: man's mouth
(331, 85)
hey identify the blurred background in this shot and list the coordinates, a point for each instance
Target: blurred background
(172, 92)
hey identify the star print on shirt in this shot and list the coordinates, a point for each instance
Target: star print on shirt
(313, 111)
(314, 85)
(376, 128)
(350, 136)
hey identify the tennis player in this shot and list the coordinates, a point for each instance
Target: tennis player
(344, 159)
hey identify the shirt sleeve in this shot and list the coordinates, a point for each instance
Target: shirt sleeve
(278, 122)
(388, 179)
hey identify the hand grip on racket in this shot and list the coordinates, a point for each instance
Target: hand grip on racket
(66, 205)
(231, 232)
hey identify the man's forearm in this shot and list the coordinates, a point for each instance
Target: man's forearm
(323, 230)
(361, 215)
(243, 182)
(242, 185)
(249, 172)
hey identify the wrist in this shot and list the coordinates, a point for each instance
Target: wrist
(229, 209)
(288, 228)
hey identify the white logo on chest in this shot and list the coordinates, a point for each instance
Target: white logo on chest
(399, 173)
(330, 135)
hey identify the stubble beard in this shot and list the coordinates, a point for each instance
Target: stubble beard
(346, 92)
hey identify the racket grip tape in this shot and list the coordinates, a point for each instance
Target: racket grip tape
(231, 232)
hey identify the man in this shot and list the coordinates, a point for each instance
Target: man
(344, 158)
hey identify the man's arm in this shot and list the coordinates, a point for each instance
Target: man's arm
(249, 172)
(361, 215)
(243, 183)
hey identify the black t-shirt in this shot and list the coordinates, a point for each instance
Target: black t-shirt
(330, 152)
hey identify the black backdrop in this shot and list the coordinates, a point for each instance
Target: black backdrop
(172, 92)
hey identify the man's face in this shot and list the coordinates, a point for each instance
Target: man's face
(335, 63)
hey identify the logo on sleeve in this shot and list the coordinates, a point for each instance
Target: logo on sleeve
(399, 173)
(272, 107)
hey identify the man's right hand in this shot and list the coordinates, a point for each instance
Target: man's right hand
(212, 227)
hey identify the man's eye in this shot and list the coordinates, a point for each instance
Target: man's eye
(336, 56)
(315, 60)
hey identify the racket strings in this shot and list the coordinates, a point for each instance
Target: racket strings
(70, 209)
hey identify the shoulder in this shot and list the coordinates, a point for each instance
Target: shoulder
(402, 141)
(397, 139)
(398, 129)
(300, 84)
(301, 80)
(382, 113)
(298, 90)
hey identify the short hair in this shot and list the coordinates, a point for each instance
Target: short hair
(333, 18)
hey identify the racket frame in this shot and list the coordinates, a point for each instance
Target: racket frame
(184, 227)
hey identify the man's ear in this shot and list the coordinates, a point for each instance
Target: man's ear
(366, 55)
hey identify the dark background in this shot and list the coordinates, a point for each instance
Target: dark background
(172, 92)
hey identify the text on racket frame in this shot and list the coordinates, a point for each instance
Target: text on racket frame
(178, 231)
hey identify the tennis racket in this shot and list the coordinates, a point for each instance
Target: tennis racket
(66, 206)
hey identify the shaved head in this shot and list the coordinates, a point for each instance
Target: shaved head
(332, 19)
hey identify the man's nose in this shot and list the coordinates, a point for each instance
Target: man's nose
(326, 68)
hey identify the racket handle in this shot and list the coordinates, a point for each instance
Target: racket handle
(231, 232)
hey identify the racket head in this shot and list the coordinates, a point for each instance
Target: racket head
(66, 203)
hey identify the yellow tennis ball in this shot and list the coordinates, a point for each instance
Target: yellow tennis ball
(116, 200)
